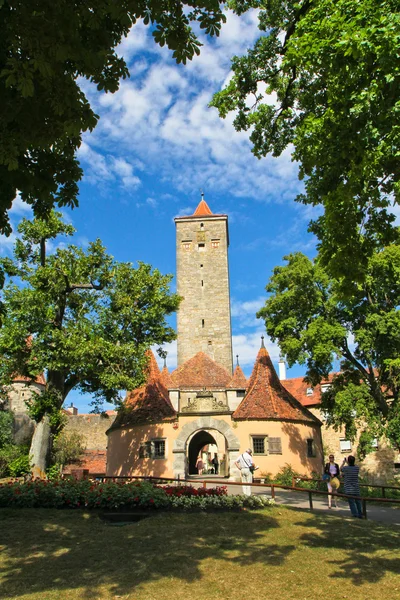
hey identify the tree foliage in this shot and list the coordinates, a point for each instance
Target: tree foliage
(325, 78)
(45, 47)
(315, 326)
(79, 316)
(6, 428)
(67, 448)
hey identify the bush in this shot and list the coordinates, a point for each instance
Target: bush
(68, 447)
(69, 493)
(6, 428)
(14, 461)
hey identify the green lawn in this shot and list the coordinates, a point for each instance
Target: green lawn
(275, 553)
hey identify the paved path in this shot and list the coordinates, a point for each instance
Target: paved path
(383, 513)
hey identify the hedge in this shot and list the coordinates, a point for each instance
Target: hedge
(69, 493)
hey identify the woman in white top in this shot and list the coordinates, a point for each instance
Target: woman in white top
(331, 470)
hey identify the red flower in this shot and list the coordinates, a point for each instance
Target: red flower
(151, 501)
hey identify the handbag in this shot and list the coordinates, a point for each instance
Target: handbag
(335, 483)
(325, 477)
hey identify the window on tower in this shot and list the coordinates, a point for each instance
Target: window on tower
(201, 247)
(215, 243)
(202, 322)
(186, 244)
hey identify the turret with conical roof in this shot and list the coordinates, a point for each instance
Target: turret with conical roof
(266, 398)
(204, 315)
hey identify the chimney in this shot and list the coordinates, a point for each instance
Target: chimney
(72, 410)
(282, 368)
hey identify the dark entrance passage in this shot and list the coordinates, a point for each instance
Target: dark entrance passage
(198, 441)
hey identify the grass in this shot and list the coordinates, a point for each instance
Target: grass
(274, 553)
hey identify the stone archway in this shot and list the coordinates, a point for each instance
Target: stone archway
(180, 444)
(200, 439)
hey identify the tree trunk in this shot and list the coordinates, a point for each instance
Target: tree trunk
(40, 447)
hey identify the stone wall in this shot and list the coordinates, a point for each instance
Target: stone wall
(19, 393)
(92, 427)
(204, 319)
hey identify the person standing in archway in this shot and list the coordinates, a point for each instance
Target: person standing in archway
(245, 464)
(199, 465)
(215, 463)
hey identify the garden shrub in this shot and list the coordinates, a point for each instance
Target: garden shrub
(14, 461)
(69, 493)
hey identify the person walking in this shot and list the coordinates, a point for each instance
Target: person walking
(351, 486)
(245, 465)
(331, 475)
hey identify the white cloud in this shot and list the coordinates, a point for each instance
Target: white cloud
(161, 118)
(7, 243)
(248, 345)
(101, 169)
(20, 208)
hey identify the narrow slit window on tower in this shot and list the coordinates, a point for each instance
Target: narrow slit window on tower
(202, 226)
(202, 283)
(202, 322)
(201, 266)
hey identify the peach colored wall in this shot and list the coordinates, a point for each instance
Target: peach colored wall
(123, 446)
(294, 445)
(123, 451)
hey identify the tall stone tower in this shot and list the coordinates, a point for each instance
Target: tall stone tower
(204, 316)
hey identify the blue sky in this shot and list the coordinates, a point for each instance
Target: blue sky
(156, 146)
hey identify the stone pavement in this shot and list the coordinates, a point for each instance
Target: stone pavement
(388, 514)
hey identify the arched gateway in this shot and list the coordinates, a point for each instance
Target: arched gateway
(206, 424)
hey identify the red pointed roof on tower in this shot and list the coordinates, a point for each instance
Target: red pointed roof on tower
(238, 381)
(203, 210)
(266, 397)
(149, 403)
(166, 379)
(200, 371)
(152, 370)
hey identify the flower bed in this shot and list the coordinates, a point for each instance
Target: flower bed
(69, 493)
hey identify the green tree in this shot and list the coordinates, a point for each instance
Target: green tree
(314, 326)
(45, 47)
(68, 447)
(80, 317)
(6, 428)
(325, 78)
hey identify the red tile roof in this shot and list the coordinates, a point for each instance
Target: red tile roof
(39, 379)
(152, 371)
(266, 397)
(200, 371)
(238, 381)
(166, 379)
(147, 404)
(94, 460)
(203, 210)
(298, 388)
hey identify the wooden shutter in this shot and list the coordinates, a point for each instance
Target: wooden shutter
(275, 445)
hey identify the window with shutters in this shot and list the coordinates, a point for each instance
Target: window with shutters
(145, 450)
(274, 445)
